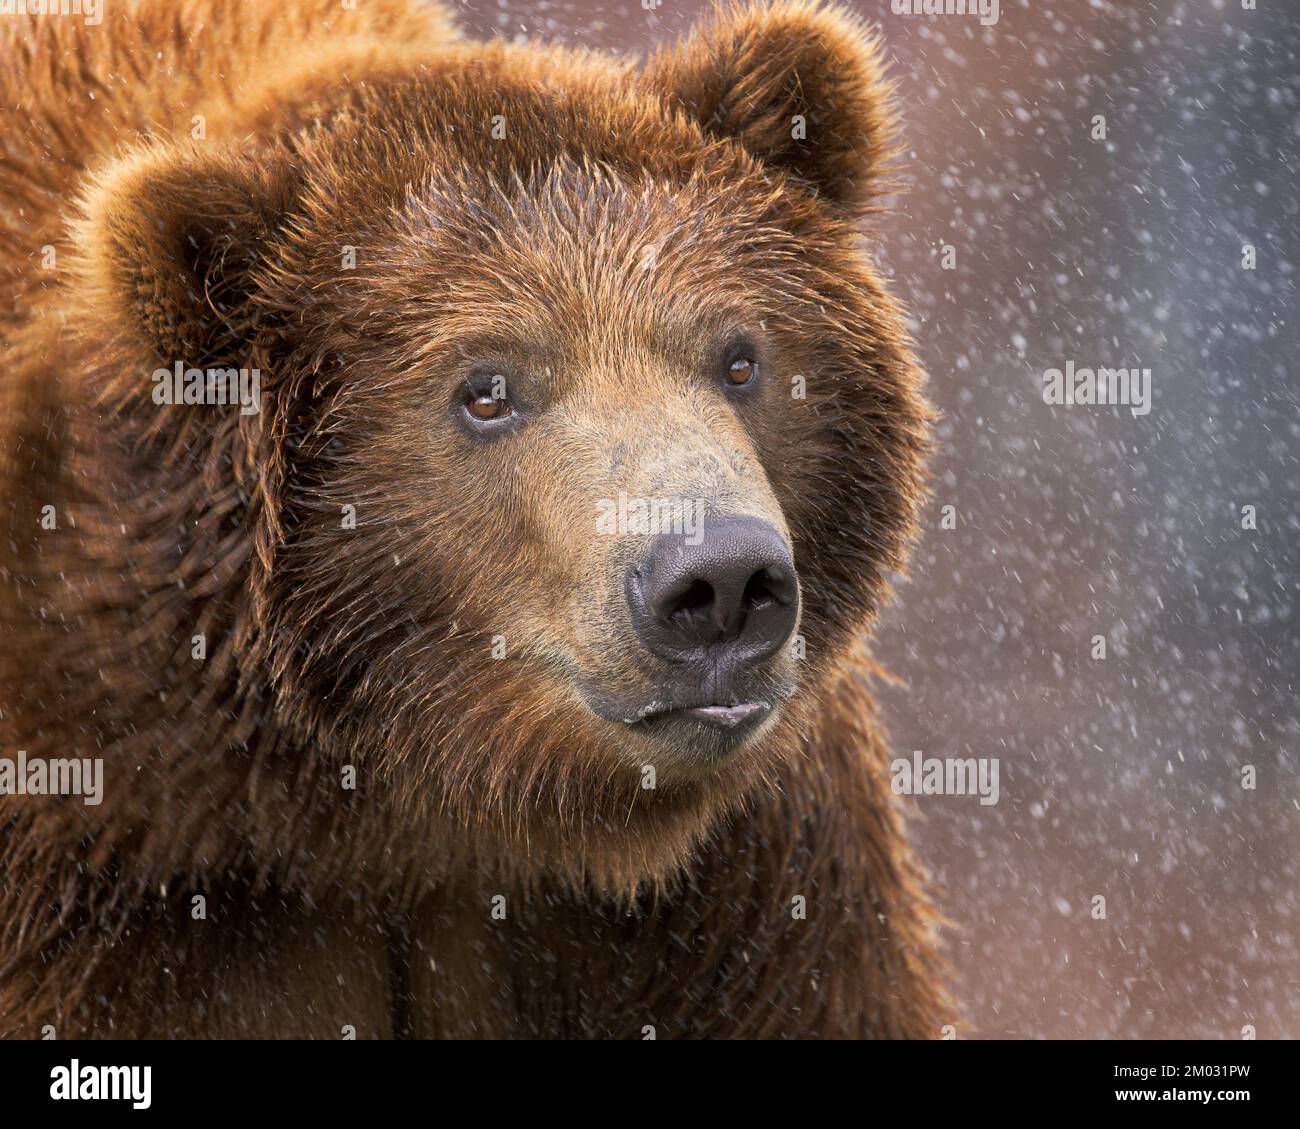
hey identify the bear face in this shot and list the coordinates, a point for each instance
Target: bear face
(493, 292)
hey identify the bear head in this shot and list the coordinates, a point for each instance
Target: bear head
(586, 433)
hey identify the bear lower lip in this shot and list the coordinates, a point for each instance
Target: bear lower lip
(717, 717)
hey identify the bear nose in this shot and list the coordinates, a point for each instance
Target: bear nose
(734, 588)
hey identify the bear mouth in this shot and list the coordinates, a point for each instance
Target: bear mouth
(725, 717)
(702, 720)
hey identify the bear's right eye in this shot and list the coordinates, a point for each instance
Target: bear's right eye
(485, 402)
(488, 407)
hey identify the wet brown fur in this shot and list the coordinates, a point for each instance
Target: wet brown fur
(326, 647)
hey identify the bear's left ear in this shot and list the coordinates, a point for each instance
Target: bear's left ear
(800, 85)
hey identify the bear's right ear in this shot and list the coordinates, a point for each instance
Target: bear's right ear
(172, 241)
(799, 84)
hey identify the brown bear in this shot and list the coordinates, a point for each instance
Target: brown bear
(446, 486)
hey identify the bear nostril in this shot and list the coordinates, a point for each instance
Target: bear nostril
(697, 600)
(762, 588)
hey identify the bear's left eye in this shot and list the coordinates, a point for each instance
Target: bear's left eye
(742, 371)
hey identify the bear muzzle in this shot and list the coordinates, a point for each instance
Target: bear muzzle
(714, 611)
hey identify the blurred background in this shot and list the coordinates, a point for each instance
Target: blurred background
(1120, 777)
